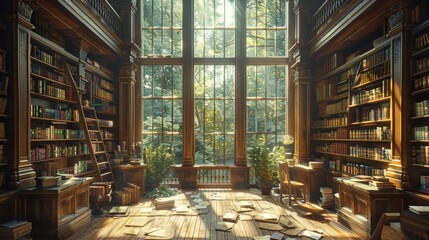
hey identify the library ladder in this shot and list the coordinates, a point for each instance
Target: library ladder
(97, 150)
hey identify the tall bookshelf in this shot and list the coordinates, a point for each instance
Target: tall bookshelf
(420, 110)
(4, 83)
(351, 118)
(57, 139)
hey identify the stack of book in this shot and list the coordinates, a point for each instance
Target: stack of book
(164, 203)
(327, 198)
(420, 210)
(15, 229)
(382, 183)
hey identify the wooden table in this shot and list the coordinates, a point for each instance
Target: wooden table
(361, 205)
(313, 179)
(127, 173)
(57, 212)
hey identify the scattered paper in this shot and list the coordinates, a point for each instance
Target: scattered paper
(132, 231)
(224, 226)
(311, 234)
(145, 210)
(266, 237)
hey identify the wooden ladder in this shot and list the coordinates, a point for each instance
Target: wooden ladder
(97, 150)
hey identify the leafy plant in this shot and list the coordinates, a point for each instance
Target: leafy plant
(162, 191)
(261, 159)
(159, 161)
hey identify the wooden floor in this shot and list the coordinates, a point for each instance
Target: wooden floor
(203, 226)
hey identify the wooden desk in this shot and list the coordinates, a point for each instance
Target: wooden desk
(414, 226)
(128, 173)
(313, 179)
(361, 205)
(57, 212)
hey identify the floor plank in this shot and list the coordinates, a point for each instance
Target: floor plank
(203, 226)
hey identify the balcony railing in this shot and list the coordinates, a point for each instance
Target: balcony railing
(207, 176)
(326, 12)
(216, 176)
(107, 13)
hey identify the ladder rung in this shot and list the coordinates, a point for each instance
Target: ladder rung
(89, 130)
(90, 119)
(101, 163)
(100, 152)
(96, 141)
(88, 108)
(104, 174)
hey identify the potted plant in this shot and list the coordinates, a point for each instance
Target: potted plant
(159, 161)
(260, 159)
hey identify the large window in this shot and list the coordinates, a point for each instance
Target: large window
(223, 55)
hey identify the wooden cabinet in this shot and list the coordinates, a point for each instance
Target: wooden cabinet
(128, 173)
(361, 205)
(59, 211)
(313, 179)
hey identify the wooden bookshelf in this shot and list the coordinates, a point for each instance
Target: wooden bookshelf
(419, 113)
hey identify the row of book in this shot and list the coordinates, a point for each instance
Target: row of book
(127, 195)
(422, 64)
(336, 107)
(54, 151)
(339, 133)
(421, 108)
(99, 65)
(82, 166)
(381, 112)
(355, 168)
(52, 59)
(3, 103)
(331, 122)
(52, 132)
(60, 114)
(103, 83)
(4, 82)
(378, 133)
(325, 89)
(371, 94)
(100, 92)
(370, 152)
(105, 123)
(41, 71)
(421, 82)
(336, 147)
(373, 74)
(376, 58)
(44, 29)
(424, 183)
(420, 133)
(42, 86)
(104, 106)
(422, 41)
(330, 63)
(420, 154)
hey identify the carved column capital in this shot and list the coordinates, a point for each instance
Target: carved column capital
(128, 70)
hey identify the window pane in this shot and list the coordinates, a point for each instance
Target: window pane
(214, 115)
(266, 28)
(162, 112)
(266, 114)
(162, 28)
(214, 23)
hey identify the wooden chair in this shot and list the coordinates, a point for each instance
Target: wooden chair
(287, 186)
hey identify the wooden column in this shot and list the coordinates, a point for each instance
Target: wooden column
(127, 80)
(23, 175)
(299, 118)
(302, 117)
(240, 172)
(130, 109)
(400, 103)
(187, 173)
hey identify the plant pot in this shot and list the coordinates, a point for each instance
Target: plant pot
(266, 189)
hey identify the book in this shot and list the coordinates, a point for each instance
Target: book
(224, 226)
(420, 210)
(230, 217)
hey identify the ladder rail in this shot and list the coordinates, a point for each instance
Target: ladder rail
(83, 120)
